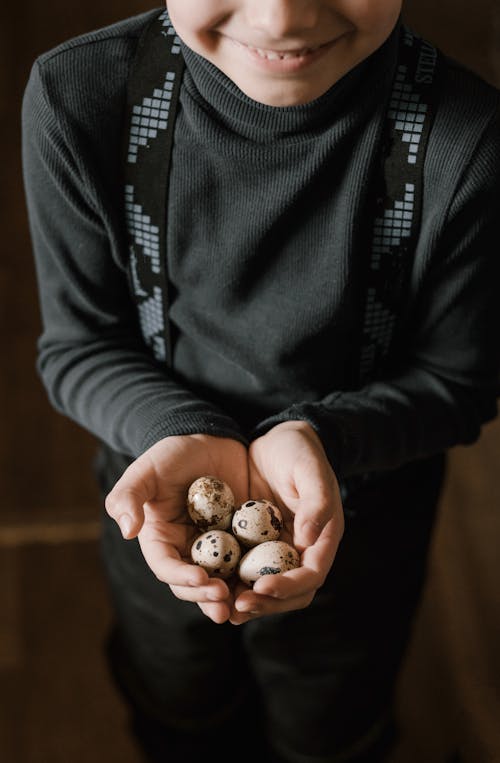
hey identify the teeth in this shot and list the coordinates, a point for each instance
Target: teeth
(277, 55)
(274, 55)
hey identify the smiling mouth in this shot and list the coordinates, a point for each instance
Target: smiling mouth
(279, 55)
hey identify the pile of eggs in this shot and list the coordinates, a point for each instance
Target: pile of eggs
(242, 540)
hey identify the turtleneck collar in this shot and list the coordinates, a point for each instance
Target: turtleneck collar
(218, 95)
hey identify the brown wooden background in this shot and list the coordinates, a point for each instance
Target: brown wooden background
(55, 700)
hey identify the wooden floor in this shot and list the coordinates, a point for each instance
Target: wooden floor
(57, 704)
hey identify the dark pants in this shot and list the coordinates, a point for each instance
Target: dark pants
(312, 686)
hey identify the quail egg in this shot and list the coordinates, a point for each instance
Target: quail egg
(210, 503)
(256, 522)
(269, 558)
(218, 552)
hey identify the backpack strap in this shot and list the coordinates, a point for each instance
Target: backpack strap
(398, 202)
(153, 92)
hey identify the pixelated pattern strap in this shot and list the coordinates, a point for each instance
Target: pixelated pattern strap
(399, 200)
(153, 90)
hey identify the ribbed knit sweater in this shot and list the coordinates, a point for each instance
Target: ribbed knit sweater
(267, 224)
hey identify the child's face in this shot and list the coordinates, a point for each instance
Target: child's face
(264, 46)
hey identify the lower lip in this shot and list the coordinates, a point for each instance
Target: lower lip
(286, 65)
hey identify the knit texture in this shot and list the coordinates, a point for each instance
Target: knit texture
(268, 230)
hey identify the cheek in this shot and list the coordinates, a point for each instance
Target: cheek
(197, 16)
(196, 21)
(375, 17)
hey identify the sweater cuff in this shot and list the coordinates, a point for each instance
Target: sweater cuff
(157, 418)
(207, 423)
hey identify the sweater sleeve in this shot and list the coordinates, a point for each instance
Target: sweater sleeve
(91, 358)
(447, 383)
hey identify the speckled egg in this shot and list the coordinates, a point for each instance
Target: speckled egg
(218, 552)
(210, 503)
(269, 558)
(256, 522)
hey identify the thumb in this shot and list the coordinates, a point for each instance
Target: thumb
(124, 503)
(319, 503)
(310, 520)
(319, 496)
(125, 508)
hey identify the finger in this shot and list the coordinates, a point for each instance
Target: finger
(125, 507)
(164, 560)
(318, 493)
(316, 562)
(239, 618)
(251, 608)
(321, 554)
(124, 503)
(201, 594)
(247, 606)
(318, 505)
(219, 612)
(293, 583)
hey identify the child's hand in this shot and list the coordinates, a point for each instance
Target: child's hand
(149, 501)
(288, 465)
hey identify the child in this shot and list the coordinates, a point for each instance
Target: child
(279, 137)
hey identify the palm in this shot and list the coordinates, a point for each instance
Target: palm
(165, 524)
(273, 484)
(173, 464)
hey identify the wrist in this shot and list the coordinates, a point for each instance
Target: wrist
(296, 425)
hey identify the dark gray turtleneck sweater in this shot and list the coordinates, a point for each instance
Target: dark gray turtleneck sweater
(264, 309)
(267, 221)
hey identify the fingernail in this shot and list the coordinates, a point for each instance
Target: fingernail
(125, 523)
(243, 610)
